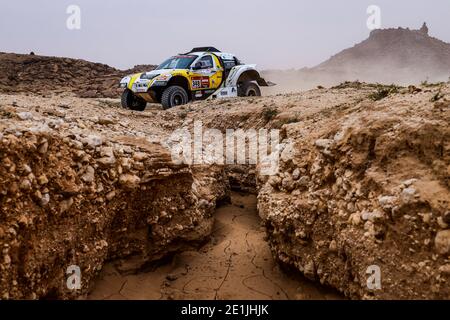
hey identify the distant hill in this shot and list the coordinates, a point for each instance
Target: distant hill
(401, 56)
(41, 74)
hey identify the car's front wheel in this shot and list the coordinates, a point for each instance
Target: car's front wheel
(249, 89)
(130, 101)
(174, 96)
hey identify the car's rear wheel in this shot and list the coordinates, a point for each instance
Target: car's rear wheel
(174, 96)
(130, 101)
(249, 89)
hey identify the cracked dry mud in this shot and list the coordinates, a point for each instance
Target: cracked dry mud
(235, 264)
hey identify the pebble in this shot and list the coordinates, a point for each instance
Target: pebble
(333, 246)
(110, 195)
(442, 224)
(140, 156)
(25, 115)
(106, 162)
(65, 205)
(387, 202)
(445, 269)
(355, 218)
(309, 270)
(45, 199)
(107, 152)
(303, 181)
(129, 180)
(408, 194)
(442, 242)
(105, 121)
(89, 175)
(93, 141)
(43, 147)
(25, 185)
(42, 179)
(171, 277)
(323, 143)
(287, 183)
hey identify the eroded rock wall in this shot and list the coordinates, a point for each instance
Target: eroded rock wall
(366, 187)
(66, 200)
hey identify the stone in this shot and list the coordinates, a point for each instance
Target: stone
(387, 202)
(140, 156)
(106, 162)
(171, 277)
(26, 168)
(324, 145)
(372, 215)
(296, 174)
(93, 141)
(333, 246)
(129, 180)
(65, 205)
(303, 181)
(107, 152)
(42, 179)
(110, 195)
(287, 183)
(105, 121)
(89, 175)
(409, 182)
(274, 181)
(45, 200)
(309, 270)
(355, 218)
(408, 194)
(43, 147)
(445, 269)
(446, 217)
(442, 224)
(442, 242)
(25, 115)
(25, 185)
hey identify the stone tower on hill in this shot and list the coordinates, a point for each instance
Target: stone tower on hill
(424, 28)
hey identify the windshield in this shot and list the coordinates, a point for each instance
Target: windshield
(177, 62)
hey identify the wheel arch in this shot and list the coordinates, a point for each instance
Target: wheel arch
(182, 82)
(245, 73)
(248, 75)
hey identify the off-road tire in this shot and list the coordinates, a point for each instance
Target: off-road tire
(174, 96)
(249, 89)
(130, 101)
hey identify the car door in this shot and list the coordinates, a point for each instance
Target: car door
(207, 73)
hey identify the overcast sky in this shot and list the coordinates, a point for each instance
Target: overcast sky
(274, 34)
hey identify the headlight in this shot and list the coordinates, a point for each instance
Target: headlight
(148, 76)
(124, 82)
(164, 77)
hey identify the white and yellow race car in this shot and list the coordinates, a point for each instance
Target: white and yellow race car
(199, 74)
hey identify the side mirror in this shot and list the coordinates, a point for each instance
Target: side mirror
(197, 66)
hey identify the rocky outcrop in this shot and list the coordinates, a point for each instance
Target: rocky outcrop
(362, 187)
(81, 200)
(40, 74)
(397, 55)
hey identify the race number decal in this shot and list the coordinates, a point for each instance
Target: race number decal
(196, 84)
(200, 82)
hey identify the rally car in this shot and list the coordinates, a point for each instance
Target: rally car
(199, 74)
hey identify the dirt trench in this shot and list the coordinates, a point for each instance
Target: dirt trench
(235, 264)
